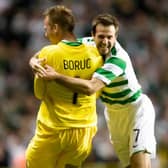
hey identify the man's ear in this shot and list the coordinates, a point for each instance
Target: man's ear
(55, 28)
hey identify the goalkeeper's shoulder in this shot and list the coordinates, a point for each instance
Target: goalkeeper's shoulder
(47, 50)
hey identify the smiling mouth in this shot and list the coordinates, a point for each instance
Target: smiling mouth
(104, 47)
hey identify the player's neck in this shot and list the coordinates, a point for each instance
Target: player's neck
(69, 37)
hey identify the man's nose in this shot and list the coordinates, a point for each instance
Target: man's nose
(105, 41)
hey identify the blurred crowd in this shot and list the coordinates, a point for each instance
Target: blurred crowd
(143, 33)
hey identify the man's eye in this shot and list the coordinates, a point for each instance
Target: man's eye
(101, 37)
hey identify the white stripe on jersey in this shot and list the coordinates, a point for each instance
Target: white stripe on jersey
(116, 70)
(102, 78)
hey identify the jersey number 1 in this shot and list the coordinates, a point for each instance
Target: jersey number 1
(75, 95)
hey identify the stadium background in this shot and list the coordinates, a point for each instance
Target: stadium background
(143, 33)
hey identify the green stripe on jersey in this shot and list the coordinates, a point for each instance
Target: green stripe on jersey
(105, 73)
(120, 83)
(117, 61)
(125, 101)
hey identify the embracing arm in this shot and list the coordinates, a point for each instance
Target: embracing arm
(80, 85)
(75, 84)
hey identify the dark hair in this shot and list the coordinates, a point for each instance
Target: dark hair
(62, 16)
(106, 20)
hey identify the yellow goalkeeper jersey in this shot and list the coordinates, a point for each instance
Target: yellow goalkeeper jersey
(61, 108)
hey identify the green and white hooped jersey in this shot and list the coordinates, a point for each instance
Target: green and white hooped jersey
(122, 86)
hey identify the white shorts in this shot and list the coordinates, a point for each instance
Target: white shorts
(131, 128)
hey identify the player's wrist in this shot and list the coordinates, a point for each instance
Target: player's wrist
(56, 76)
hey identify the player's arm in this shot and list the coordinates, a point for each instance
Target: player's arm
(75, 84)
(80, 85)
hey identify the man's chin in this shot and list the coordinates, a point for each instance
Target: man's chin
(104, 52)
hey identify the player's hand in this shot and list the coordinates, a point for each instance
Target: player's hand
(37, 63)
(47, 73)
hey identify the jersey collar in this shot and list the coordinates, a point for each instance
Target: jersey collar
(72, 43)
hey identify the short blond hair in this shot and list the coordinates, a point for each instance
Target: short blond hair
(62, 16)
